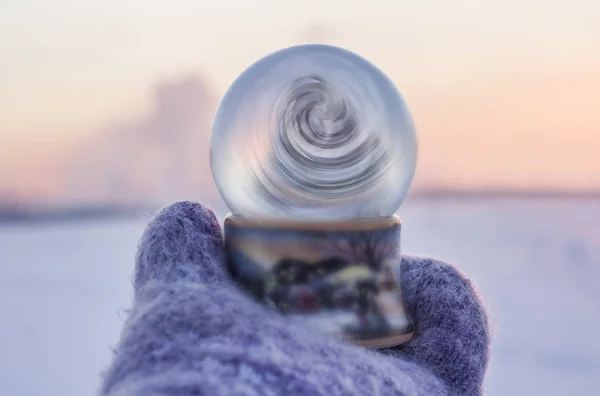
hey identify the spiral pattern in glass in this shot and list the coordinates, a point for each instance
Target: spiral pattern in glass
(313, 132)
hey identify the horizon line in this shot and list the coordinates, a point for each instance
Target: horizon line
(502, 192)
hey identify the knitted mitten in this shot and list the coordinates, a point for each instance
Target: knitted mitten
(192, 331)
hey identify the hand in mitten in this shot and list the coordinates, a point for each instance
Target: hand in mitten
(192, 331)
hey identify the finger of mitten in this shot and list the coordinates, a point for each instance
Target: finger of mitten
(452, 335)
(200, 339)
(183, 242)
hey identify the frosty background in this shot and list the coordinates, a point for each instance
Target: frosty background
(65, 288)
(105, 112)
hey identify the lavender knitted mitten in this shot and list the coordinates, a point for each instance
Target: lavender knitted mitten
(191, 331)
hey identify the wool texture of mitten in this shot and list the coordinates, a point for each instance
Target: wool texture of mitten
(192, 331)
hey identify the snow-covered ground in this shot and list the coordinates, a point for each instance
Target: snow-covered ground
(63, 289)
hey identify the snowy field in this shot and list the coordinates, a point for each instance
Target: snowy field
(64, 288)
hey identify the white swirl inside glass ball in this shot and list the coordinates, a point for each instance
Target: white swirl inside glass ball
(313, 132)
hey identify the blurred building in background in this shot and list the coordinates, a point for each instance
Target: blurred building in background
(158, 158)
(148, 161)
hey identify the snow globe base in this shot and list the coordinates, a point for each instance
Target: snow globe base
(340, 277)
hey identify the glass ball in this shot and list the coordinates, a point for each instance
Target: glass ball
(313, 132)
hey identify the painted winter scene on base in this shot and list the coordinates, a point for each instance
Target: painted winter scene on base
(343, 282)
(65, 288)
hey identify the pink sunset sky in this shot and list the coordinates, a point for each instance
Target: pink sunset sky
(112, 100)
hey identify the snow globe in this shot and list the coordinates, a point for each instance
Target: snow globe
(313, 149)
